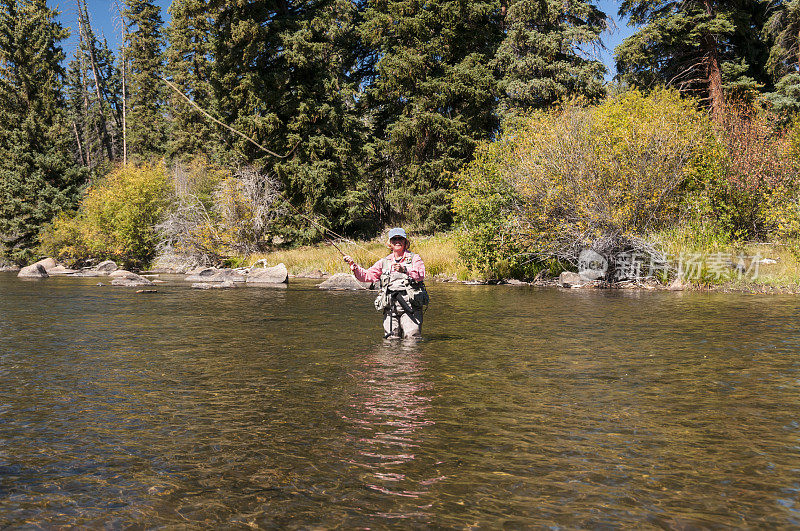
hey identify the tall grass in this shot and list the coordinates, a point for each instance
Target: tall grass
(438, 252)
(705, 240)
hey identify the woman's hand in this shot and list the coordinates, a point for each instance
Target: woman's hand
(350, 261)
(399, 268)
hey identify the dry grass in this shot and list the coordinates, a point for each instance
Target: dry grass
(785, 272)
(704, 242)
(438, 252)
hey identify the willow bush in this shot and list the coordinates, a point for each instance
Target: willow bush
(575, 177)
(220, 214)
(116, 218)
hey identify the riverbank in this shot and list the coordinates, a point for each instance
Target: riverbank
(768, 268)
(750, 268)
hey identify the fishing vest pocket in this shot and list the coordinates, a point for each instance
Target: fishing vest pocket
(382, 301)
(417, 295)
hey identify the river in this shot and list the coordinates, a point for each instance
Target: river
(521, 407)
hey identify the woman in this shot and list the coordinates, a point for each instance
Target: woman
(402, 291)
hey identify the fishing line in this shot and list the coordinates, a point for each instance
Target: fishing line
(270, 152)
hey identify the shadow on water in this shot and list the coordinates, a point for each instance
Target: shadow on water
(521, 407)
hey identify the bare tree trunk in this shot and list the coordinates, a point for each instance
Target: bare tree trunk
(79, 53)
(714, 76)
(78, 139)
(83, 25)
(124, 99)
(713, 71)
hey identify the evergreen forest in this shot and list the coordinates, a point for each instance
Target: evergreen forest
(243, 127)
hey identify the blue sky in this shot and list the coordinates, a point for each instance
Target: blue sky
(103, 15)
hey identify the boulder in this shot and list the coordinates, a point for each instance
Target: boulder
(211, 274)
(568, 279)
(515, 282)
(61, 270)
(269, 275)
(90, 273)
(9, 269)
(343, 281)
(592, 265)
(47, 264)
(53, 268)
(313, 273)
(214, 285)
(36, 270)
(108, 266)
(131, 281)
(122, 273)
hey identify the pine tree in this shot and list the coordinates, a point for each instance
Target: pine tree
(319, 111)
(783, 27)
(38, 175)
(146, 122)
(190, 66)
(285, 74)
(93, 88)
(431, 101)
(704, 47)
(546, 54)
(783, 30)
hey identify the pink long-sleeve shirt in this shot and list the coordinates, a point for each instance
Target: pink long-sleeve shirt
(416, 270)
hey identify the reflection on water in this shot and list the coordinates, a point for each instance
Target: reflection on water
(521, 407)
(389, 406)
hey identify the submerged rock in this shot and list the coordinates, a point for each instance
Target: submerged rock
(90, 273)
(568, 279)
(342, 281)
(122, 273)
(269, 275)
(61, 270)
(211, 274)
(126, 279)
(36, 270)
(214, 285)
(130, 282)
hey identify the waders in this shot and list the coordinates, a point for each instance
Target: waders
(398, 297)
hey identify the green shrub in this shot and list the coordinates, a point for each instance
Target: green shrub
(575, 177)
(745, 180)
(488, 242)
(116, 218)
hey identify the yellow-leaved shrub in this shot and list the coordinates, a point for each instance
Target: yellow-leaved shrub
(578, 177)
(116, 218)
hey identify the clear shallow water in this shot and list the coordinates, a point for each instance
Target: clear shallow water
(284, 407)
